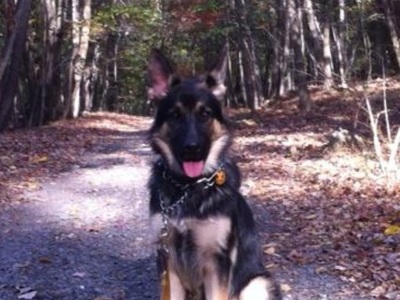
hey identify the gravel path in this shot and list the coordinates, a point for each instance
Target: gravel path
(84, 235)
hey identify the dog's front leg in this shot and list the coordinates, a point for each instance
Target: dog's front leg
(214, 288)
(177, 290)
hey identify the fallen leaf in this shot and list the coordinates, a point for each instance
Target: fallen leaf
(28, 296)
(45, 260)
(297, 257)
(378, 291)
(392, 230)
(285, 288)
(311, 217)
(393, 295)
(249, 122)
(22, 265)
(39, 159)
(6, 160)
(24, 290)
(340, 268)
(270, 249)
(79, 274)
(32, 185)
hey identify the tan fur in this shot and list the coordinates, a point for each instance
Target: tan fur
(215, 290)
(177, 289)
(218, 130)
(220, 138)
(161, 139)
(218, 91)
(216, 147)
(199, 106)
(210, 235)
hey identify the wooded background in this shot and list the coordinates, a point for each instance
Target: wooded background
(60, 58)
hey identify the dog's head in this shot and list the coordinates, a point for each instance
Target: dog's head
(189, 131)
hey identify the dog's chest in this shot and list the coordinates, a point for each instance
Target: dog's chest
(209, 234)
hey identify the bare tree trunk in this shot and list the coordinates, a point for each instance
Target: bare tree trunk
(90, 77)
(251, 72)
(341, 44)
(281, 80)
(80, 40)
(69, 86)
(275, 74)
(231, 98)
(394, 31)
(82, 44)
(285, 82)
(320, 48)
(55, 99)
(327, 54)
(365, 38)
(111, 79)
(11, 59)
(46, 99)
(241, 74)
(315, 49)
(11, 37)
(50, 38)
(299, 56)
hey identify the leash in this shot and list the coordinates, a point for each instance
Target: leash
(217, 178)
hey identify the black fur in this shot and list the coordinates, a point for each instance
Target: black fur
(188, 123)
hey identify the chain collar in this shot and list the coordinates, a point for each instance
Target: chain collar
(205, 182)
(168, 210)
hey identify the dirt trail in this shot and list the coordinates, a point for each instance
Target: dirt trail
(83, 235)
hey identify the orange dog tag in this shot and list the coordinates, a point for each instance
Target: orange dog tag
(220, 177)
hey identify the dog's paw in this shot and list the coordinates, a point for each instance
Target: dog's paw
(260, 288)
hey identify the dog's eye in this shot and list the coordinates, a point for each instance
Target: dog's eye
(205, 114)
(175, 114)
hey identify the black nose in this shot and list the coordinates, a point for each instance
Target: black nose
(192, 149)
(191, 152)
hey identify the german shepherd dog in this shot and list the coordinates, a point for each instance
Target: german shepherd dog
(208, 242)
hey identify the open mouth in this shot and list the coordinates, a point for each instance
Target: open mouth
(193, 168)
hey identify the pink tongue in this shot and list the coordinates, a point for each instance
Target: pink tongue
(193, 168)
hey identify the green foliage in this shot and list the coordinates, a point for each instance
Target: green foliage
(132, 18)
(209, 5)
(138, 29)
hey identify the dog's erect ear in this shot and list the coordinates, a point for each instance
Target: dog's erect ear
(160, 75)
(215, 79)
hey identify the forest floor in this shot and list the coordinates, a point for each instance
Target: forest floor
(74, 218)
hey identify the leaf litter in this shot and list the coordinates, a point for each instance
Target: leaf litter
(330, 206)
